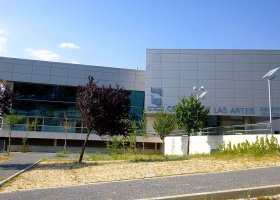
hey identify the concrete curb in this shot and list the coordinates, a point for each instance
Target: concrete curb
(226, 194)
(18, 173)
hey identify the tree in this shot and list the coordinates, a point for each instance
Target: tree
(142, 127)
(164, 124)
(30, 126)
(114, 104)
(66, 124)
(190, 115)
(131, 138)
(11, 121)
(6, 98)
(88, 105)
(104, 109)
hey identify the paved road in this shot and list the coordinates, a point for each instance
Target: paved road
(156, 187)
(18, 162)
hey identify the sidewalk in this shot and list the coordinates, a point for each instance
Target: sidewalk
(19, 162)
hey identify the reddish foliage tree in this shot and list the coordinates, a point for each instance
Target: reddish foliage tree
(87, 104)
(115, 107)
(6, 98)
(103, 109)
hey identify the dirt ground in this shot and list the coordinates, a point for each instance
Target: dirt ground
(64, 173)
(4, 158)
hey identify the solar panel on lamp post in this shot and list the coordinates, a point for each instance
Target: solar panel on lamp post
(2, 90)
(269, 76)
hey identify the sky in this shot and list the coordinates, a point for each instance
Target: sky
(116, 33)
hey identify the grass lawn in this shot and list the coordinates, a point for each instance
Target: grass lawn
(65, 172)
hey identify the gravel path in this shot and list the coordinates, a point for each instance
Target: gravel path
(159, 187)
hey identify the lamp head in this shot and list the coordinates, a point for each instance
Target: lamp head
(271, 74)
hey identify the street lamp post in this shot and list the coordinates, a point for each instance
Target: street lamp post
(202, 95)
(269, 76)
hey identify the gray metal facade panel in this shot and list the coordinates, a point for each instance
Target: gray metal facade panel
(233, 78)
(37, 78)
(41, 70)
(14, 69)
(6, 67)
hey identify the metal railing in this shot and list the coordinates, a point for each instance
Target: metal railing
(48, 124)
(259, 128)
(55, 124)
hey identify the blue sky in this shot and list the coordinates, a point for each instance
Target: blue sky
(117, 33)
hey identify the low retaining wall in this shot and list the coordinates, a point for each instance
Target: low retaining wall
(178, 145)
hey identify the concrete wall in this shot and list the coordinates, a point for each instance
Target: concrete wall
(23, 70)
(233, 79)
(177, 145)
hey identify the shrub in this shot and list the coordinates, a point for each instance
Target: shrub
(260, 147)
(24, 148)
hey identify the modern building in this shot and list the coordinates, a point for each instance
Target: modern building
(46, 91)
(236, 92)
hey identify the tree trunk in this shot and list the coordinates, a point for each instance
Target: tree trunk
(9, 145)
(65, 141)
(84, 146)
(143, 147)
(188, 151)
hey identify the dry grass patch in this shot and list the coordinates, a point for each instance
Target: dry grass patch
(64, 173)
(4, 158)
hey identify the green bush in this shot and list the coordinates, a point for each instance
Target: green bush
(260, 147)
(62, 154)
(24, 148)
(113, 146)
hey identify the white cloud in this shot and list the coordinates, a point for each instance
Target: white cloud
(1, 31)
(68, 45)
(42, 54)
(75, 62)
(3, 45)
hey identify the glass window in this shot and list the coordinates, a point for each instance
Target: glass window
(55, 100)
(44, 92)
(137, 105)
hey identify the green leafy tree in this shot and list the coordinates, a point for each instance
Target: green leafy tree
(12, 120)
(131, 138)
(30, 126)
(190, 115)
(142, 128)
(164, 124)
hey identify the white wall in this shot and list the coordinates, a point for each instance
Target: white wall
(177, 145)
